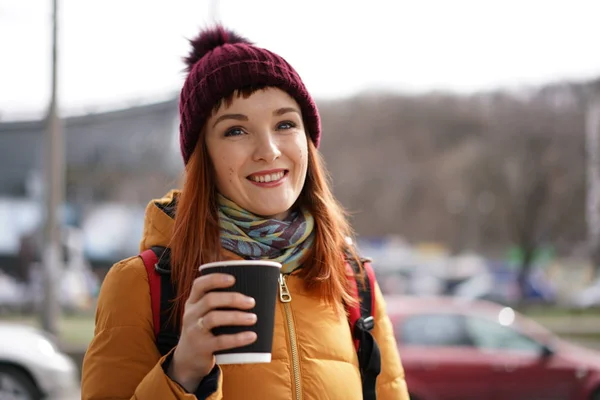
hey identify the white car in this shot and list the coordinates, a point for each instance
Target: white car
(32, 367)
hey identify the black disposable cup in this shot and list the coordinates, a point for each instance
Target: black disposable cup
(259, 280)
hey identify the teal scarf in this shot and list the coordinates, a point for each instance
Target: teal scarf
(252, 237)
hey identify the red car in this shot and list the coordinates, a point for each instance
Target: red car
(459, 350)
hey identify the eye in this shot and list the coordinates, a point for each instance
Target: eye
(235, 131)
(286, 125)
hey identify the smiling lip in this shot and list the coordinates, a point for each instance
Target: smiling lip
(270, 178)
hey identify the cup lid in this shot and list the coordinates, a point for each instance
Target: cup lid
(264, 263)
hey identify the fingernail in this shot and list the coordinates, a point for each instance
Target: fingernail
(249, 335)
(228, 279)
(250, 301)
(251, 317)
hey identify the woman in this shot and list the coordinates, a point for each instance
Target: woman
(249, 135)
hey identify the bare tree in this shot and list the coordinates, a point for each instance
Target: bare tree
(534, 160)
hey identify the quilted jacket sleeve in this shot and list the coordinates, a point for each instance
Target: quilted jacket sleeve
(122, 361)
(391, 384)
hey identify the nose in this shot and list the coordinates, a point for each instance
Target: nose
(267, 148)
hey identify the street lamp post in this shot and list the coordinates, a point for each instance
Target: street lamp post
(592, 145)
(52, 251)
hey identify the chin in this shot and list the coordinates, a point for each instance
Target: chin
(277, 214)
(269, 204)
(272, 211)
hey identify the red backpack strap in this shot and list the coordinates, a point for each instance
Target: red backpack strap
(365, 295)
(362, 320)
(150, 260)
(157, 261)
(353, 312)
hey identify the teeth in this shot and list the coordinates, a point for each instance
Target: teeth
(267, 178)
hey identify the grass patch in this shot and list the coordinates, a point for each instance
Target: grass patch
(545, 311)
(74, 330)
(591, 336)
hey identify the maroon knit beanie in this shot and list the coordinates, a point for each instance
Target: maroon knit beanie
(221, 62)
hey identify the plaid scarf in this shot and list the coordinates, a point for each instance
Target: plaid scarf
(252, 237)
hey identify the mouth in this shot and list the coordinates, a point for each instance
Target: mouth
(268, 176)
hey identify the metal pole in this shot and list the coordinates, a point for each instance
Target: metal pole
(592, 145)
(52, 253)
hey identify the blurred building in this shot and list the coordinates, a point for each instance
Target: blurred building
(117, 157)
(103, 146)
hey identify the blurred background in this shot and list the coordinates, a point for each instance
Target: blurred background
(463, 137)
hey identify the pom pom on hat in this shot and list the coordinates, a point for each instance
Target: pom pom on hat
(208, 40)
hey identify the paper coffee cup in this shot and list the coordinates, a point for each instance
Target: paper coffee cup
(260, 280)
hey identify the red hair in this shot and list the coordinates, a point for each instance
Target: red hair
(196, 238)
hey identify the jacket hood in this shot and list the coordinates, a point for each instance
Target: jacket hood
(159, 221)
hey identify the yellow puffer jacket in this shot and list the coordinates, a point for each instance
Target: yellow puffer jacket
(313, 354)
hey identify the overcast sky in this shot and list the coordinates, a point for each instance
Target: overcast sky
(117, 51)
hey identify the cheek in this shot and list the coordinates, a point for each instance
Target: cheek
(302, 149)
(303, 157)
(223, 169)
(227, 168)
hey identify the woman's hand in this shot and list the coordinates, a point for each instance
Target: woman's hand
(194, 356)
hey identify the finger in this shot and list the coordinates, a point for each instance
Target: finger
(215, 319)
(214, 300)
(206, 283)
(226, 342)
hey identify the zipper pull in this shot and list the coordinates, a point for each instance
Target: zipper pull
(284, 292)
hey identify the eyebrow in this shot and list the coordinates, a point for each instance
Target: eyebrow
(285, 110)
(242, 117)
(237, 117)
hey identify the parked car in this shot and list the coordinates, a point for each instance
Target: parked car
(453, 349)
(31, 366)
(588, 297)
(12, 294)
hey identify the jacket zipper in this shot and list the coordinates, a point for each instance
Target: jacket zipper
(285, 297)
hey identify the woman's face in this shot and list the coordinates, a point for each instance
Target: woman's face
(259, 150)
